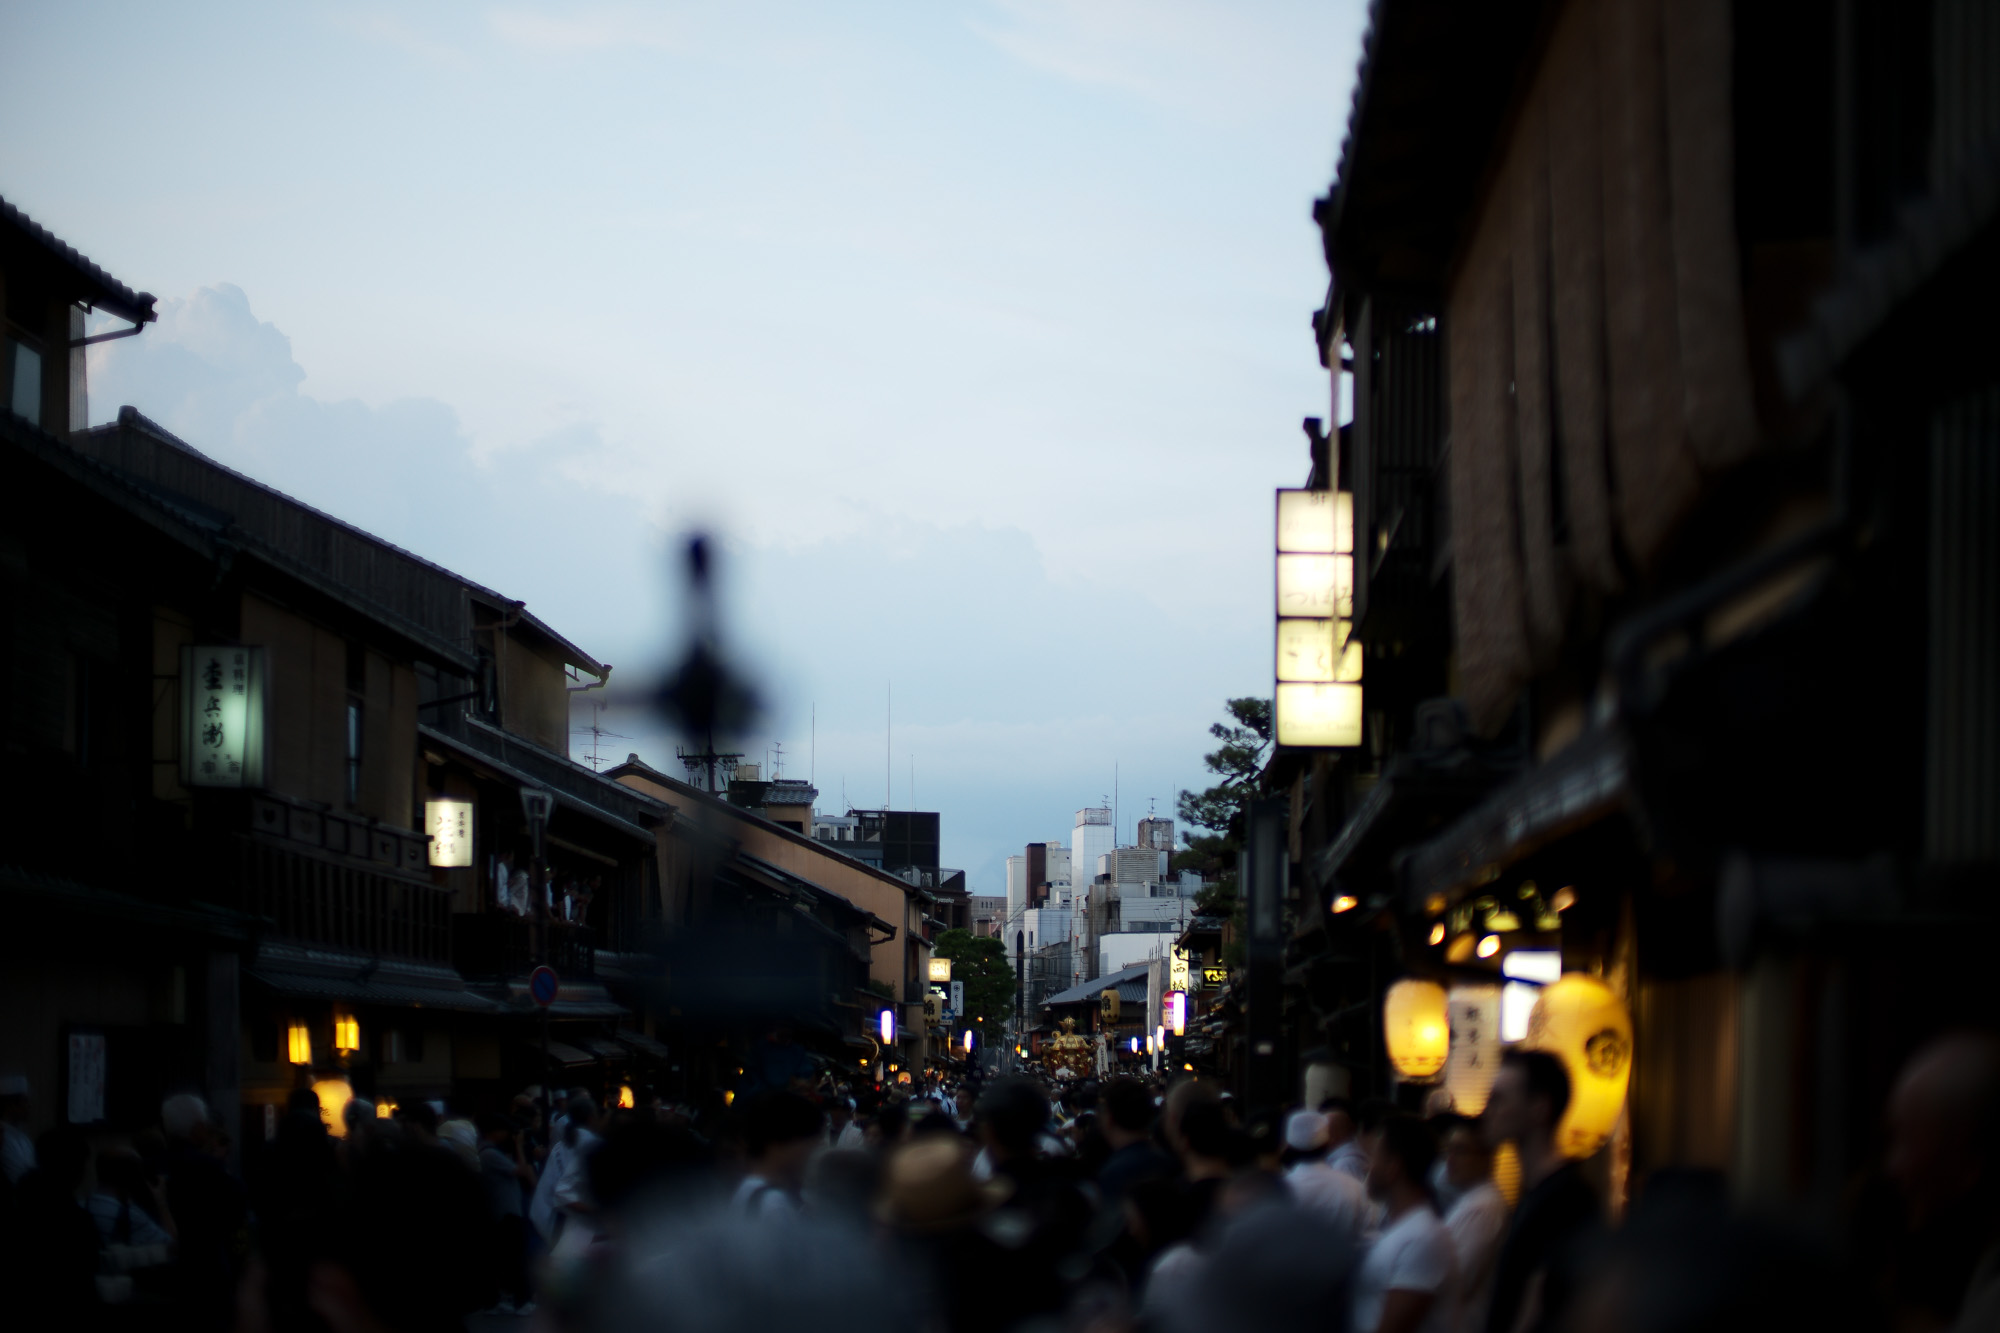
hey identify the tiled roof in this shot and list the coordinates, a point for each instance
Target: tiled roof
(90, 284)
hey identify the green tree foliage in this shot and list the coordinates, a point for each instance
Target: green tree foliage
(981, 963)
(1239, 763)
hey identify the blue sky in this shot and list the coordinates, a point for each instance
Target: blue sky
(976, 331)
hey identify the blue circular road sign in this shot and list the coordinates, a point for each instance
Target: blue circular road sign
(542, 984)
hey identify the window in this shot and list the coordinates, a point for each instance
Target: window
(353, 751)
(24, 380)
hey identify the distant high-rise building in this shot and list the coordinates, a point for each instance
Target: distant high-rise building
(1093, 837)
(1156, 832)
(1017, 886)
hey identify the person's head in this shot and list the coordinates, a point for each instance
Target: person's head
(1125, 1112)
(1530, 1093)
(965, 1099)
(359, 1110)
(1400, 1153)
(1205, 1138)
(1186, 1093)
(1306, 1134)
(497, 1130)
(581, 1110)
(780, 1131)
(839, 1111)
(1343, 1122)
(1011, 1115)
(184, 1117)
(1944, 1128)
(1468, 1159)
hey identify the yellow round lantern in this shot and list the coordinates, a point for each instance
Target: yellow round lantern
(334, 1094)
(1581, 1021)
(1416, 1027)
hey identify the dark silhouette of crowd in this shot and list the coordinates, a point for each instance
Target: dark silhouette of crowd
(1010, 1205)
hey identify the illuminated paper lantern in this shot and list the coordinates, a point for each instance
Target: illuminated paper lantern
(1475, 1047)
(298, 1044)
(1579, 1020)
(1416, 1027)
(888, 1025)
(346, 1033)
(334, 1094)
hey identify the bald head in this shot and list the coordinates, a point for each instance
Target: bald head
(1944, 1123)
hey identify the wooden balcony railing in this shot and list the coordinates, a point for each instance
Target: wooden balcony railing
(338, 904)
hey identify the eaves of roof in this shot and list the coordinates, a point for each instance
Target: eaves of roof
(88, 283)
(212, 534)
(574, 787)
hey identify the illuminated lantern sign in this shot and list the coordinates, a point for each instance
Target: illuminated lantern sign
(450, 825)
(1318, 663)
(1176, 1012)
(1475, 1047)
(940, 969)
(1416, 1027)
(1580, 1020)
(222, 716)
(1177, 969)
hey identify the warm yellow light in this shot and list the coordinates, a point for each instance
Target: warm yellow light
(1327, 716)
(1188, 1068)
(1177, 1012)
(385, 1110)
(1459, 950)
(1435, 904)
(903, 1077)
(298, 1042)
(892, 1066)
(1489, 945)
(940, 969)
(1345, 903)
(1437, 933)
(1416, 1027)
(625, 1098)
(334, 1094)
(1502, 921)
(968, 1041)
(346, 1033)
(1564, 900)
(1579, 1019)
(729, 1097)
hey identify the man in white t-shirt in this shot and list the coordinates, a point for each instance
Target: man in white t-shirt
(1476, 1222)
(1317, 1185)
(1406, 1283)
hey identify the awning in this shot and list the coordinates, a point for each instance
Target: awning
(1579, 785)
(563, 1053)
(641, 1044)
(314, 974)
(602, 1048)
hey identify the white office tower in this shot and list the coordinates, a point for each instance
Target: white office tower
(1017, 886)
(1094, 838)
(1059, 875)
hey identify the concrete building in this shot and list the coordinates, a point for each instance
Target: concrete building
(1017, 886)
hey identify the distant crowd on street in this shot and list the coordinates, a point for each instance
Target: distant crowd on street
(1015, 1204)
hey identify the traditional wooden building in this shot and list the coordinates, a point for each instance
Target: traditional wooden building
(1675, 465)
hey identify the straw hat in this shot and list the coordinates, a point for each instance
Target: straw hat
(929, 1186)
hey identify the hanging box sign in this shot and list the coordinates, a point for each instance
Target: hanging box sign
(222, 716)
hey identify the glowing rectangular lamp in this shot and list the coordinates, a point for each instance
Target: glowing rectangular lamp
(1176, 1014)
(1316, 522)
(940, 969)
(450, 825)
(346, 1033)
(1318, 715)
(222, 715)
(1320, 652)
(1316, 586)
(298, 1044)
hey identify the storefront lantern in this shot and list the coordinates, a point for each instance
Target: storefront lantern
(334, 1094)
(888, 1028)
(1579, 1020)
(298, 1044)
(1416, 1027)
(346, 1033)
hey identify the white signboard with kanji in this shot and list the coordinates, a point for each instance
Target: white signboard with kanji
(222, 716)
(450, 825)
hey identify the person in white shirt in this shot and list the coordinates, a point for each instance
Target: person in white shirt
(1345, 1151)
(560, 1195)
(1477, 1221)
(1407, 1281)
(1314, 1182)
(781, 1131)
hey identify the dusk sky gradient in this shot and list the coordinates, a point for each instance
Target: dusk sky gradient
(977, 332)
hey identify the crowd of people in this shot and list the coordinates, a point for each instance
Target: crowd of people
(1126, 1205)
